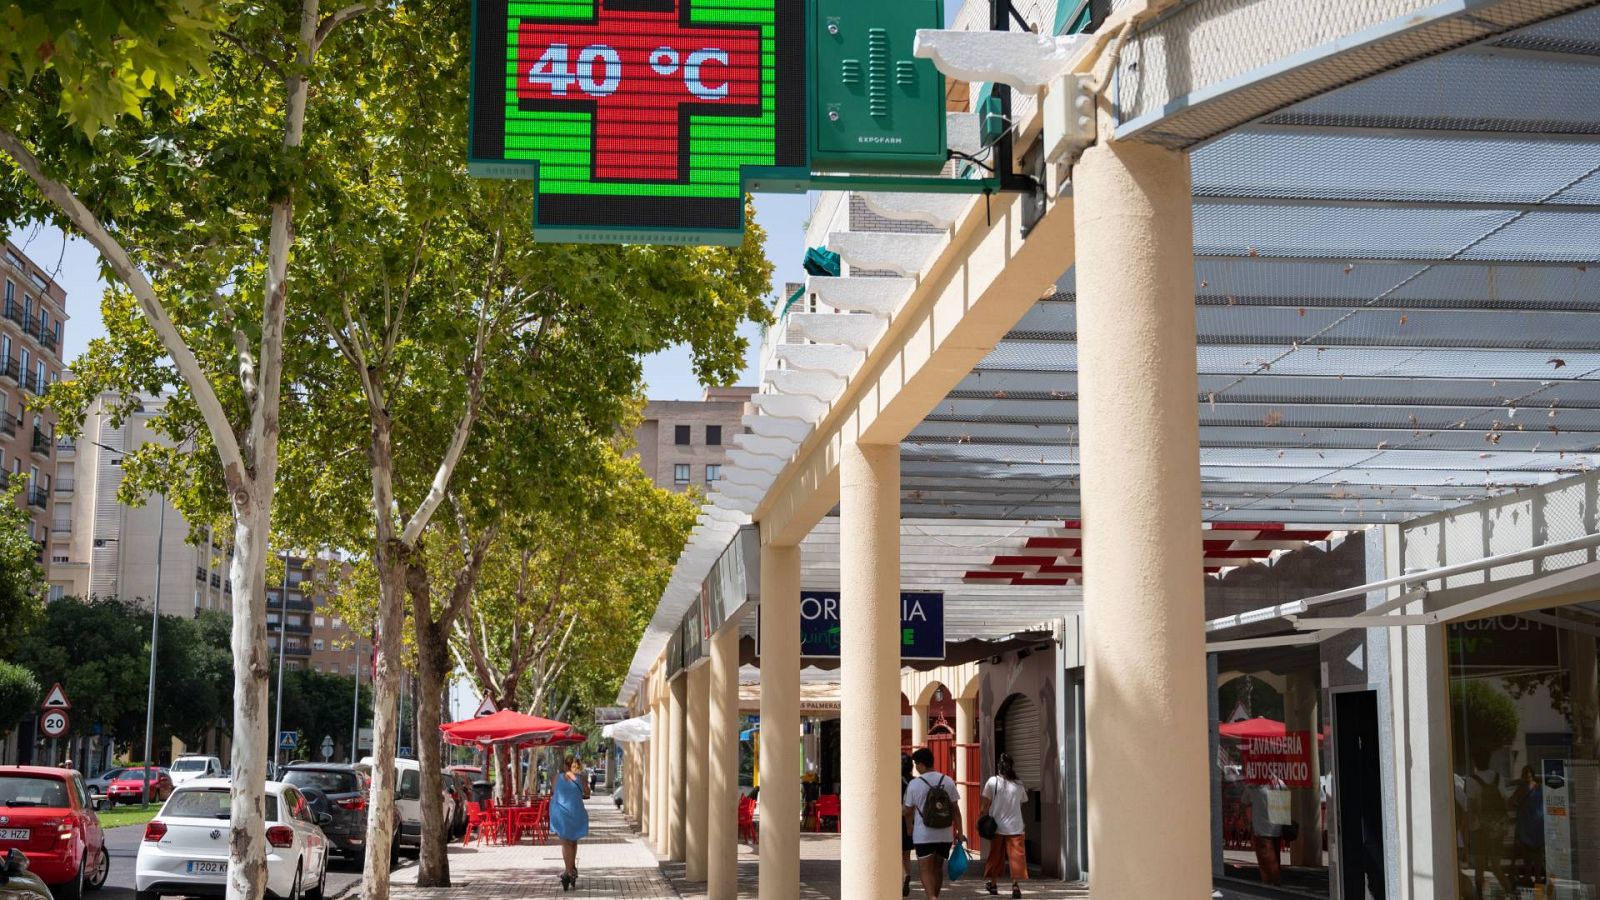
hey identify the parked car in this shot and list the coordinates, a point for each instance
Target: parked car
(408, 801)
(185, 847)
(187, 768)
(46, 813)
(130, 785)
(16, 882)
(460, 785)
(342, 791)
(98, 784)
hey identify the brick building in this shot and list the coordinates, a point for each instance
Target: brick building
(315, 636)
(683, 443)
(31, 324)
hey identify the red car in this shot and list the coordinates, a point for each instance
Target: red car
(129, 786)
(46, 814)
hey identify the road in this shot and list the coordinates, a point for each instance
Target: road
(124, 846)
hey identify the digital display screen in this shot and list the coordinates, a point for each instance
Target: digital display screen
(639, 119)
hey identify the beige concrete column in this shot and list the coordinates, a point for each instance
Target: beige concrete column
(722, 800)
(659, 738)
(966, 733)
(919, 725)
(780, 723)
(869, 670)
(697, 783)
(1300, 714)
(678, 769)
(1149, 806)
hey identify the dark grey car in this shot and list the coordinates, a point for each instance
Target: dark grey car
(342, 792)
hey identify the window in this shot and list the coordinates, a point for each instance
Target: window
(680, 435)
(350, 668)
(338, 622)
(57, 591)
(27, 363)
(39, 382)
(11, 292)
(5, 348)
(713, 473)
(58, 332)
(713, 435)
(272, 618)
(319, 621)
(316, 644)
(27, 307)
(680, 473)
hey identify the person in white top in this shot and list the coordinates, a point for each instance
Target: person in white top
(932, 840)
(1003, 796)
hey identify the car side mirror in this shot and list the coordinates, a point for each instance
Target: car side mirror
(324, 818)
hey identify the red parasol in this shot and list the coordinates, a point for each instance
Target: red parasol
(509, 727)
(1252, 728)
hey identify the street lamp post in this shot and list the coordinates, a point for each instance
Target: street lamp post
(355, 707)
(155, 637)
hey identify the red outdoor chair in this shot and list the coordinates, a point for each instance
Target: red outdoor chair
(480, 825)
(828, 808)
(748, 833)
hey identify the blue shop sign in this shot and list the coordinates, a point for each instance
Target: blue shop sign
(921, 624)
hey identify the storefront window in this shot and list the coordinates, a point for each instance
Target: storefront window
(1271, 760)
(1524, 700)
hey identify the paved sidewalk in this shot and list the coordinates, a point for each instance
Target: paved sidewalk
(612, 863)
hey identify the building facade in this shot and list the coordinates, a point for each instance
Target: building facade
(103, 547)
(315, 636)
(684, 443)
(32, 321)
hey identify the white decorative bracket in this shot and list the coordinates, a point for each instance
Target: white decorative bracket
(822, 385)
(787, 430)
(849, 329)
(879, 296)
(1024, 60)
(902, 254)
(806, 409)
(938, 210)
(840, 361)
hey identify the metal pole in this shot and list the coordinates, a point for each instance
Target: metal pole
(155, 637)
(355, 708)
(283, 638)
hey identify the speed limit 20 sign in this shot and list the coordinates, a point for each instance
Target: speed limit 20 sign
(639, 119)
(54, 723)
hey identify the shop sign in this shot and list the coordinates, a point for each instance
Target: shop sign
(1280, 761)
(921, 624)
(639, 120)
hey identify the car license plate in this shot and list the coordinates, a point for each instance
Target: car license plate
(201, 867)
(13, 834)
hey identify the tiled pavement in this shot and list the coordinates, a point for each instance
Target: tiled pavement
(614, 862)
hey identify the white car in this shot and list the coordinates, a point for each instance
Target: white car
(408, 802)
(188, 768)
(185, 847)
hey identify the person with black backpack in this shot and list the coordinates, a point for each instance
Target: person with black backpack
(933, 808)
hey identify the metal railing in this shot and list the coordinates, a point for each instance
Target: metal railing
(62, 526)
(38, 497)
(10, 368)
(13, 312)
(47, 338)
(65, 487)
(8, 424)
(66, 445)
(43, 442)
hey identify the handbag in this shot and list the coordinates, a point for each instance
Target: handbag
(987, 827)
(958, 860)
(1289, 832)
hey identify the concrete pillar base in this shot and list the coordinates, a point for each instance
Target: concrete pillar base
(780, 723)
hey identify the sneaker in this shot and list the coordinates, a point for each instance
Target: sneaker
(989, 886)
(1016, 892)
(905, 886)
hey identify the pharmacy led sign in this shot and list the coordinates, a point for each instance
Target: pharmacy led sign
(639, 120)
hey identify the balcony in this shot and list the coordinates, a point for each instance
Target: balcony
(32, 383)
(65, 486)
(47, 338)
(43, 443)
(65, 445)
(13, 312)
(38, 497)
(10, 368)
(62, 526)
(297, 600)
(8, 424)
(290, 650)
(302, 628)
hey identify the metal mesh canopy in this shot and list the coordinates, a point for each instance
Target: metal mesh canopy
(1398, 307)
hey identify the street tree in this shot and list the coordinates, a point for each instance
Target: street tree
(467, 368)
(19, 695)
(191, 202)
(22, 584)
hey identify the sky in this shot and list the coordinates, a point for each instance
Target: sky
(668, 375)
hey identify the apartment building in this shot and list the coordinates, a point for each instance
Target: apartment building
(105, 548)
(315, 636)
(683, 443)
(32, 319)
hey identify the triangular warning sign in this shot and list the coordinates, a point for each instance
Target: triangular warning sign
(486, 708)
(57, 698)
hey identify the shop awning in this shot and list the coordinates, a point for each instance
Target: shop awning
(628, 731)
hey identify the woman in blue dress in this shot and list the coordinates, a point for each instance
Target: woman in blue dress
(568, 819)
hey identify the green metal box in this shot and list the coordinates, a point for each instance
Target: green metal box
(875, 107)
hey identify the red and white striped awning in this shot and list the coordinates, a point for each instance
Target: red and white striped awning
(1057, 559)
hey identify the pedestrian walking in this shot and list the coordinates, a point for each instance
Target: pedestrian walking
(568, 819)
(1002, 799)
(906, 844)
(933, 809)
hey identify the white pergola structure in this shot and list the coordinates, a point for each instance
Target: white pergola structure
(1327, 263)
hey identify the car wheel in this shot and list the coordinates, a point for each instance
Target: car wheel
(73, 889)
(294, 890)
(394, 853)
(97, 878)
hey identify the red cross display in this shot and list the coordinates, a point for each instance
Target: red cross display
(641, 73)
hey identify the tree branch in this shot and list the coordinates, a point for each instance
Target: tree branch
(334, 20)
(205, 396)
